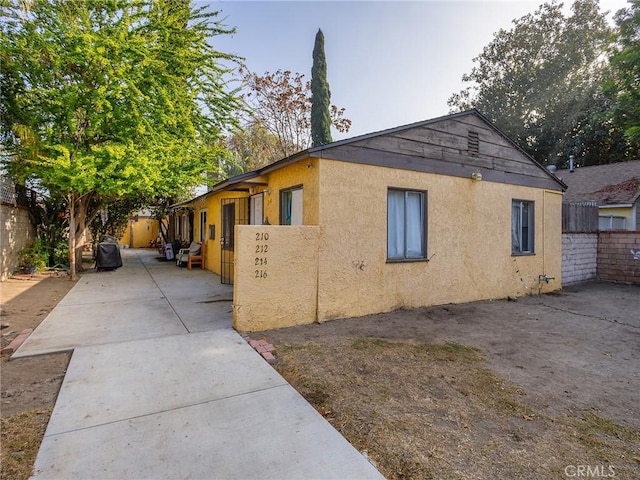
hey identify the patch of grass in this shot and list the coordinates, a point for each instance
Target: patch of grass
(493, 391)
(448, 351)
(607, 441)
(455, 352)
(367, 343)
(21, 437)
(592, 422)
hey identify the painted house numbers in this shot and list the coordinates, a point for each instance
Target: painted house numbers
(262, 258)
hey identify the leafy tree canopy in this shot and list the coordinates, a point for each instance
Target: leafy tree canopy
(624, 84)
(540, 82)
(111, 98)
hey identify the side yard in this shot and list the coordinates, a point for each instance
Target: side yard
(536, 388)
(29, 386)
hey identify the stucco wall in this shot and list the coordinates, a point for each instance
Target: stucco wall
(276, 274)
(303, 173)
(145, 229)
(469, 242)
(579, 257)
(17, 232)
(619, 257)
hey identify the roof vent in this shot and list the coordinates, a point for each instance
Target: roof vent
(552, 168)
(473, 144)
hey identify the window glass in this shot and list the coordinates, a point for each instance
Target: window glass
(256, 209)
(291, 207)
(203, 225)
(522, 222)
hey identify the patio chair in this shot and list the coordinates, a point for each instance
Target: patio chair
(184, 254)
(197, 259)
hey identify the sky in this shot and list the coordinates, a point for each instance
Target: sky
(389, 63)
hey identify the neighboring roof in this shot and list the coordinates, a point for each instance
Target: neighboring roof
(359, 149)
(610, 184)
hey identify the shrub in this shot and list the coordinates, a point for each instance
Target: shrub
(34, 255)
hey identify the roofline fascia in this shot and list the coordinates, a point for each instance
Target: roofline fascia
(616, 205)
(232, 181)
(259, 172)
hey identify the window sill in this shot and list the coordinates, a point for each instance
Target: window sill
(524, 254)
(406, 260)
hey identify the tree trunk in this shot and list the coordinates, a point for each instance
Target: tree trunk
(80, 225)
(71, 200)
(78, 214)
(83, 217)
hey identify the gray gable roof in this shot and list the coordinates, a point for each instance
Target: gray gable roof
(444, 146)
(441, 145)
(611, 184)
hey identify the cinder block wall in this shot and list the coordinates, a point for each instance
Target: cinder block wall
(17, 231)
(619, 257)
(579, 257)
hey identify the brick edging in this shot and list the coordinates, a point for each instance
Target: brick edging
(264, 348)
(16, 342)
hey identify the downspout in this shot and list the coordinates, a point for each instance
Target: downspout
(544, 239)
(319, 239)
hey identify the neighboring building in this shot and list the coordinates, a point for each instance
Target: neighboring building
(614, 187)
(17, 204)
(442, 211)
(142, 230)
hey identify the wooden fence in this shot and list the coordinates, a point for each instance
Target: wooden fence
(579, 217)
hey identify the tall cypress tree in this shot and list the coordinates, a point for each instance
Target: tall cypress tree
(320, 95)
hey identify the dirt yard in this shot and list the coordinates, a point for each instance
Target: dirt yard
(28, 386)
(535, 388)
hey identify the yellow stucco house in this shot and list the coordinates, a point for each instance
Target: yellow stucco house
(141, 231)
(442, 211)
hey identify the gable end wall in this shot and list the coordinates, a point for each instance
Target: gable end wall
(441, 147)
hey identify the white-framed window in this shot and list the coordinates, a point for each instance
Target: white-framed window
(256, 209)
(182, 226)
(612, 222)
(291, 206)
(203, 225)
(522, 227)
(406, 224)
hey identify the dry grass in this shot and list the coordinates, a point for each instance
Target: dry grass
(21, 437)
(612, 443)
(436, 411)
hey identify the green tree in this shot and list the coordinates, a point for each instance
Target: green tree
(540, 83)
(251, 148)
(103, 100)
(624, 85)
(320, 95)
(114, 216)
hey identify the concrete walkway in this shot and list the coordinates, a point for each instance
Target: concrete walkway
(161, 387)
